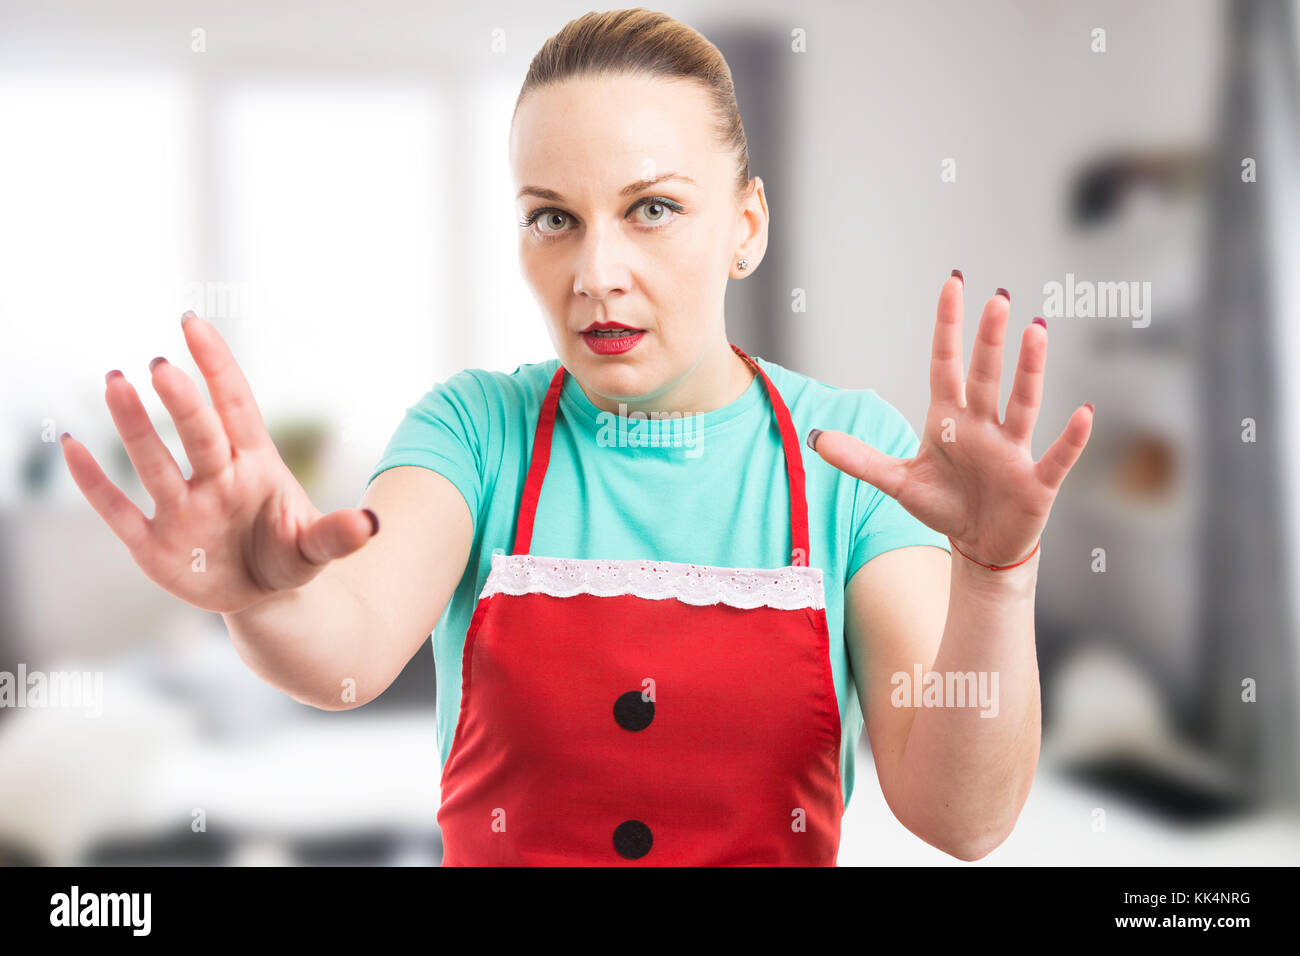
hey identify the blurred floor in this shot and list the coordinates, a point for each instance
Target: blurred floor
(353, 788)
(1055, 829)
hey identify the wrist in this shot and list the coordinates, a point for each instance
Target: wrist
(967, 553)
(1016, 580)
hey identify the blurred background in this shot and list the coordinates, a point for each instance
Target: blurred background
(328, 184)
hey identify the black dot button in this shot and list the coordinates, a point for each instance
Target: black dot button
(632, 839)
(632, 712)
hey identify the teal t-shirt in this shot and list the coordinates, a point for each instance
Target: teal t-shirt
(712, 491)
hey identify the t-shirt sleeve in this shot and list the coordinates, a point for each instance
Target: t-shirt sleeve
(880, 523)
(445, 431)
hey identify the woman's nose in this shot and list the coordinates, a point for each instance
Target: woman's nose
(601, 267)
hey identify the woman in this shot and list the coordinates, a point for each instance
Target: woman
(649, 638)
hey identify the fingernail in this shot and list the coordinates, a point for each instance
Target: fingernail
(109, 376)
(155, 362)
(957, 273)
(1040, 320)
(1004, 293)
(63, 436)
(812, 438)
(1088, 405)
(187, 316)
(374, 522)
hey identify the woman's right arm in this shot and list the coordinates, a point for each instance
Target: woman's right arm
(340, 640)
(325, 607)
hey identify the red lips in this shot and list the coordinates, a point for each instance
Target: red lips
(609, 325)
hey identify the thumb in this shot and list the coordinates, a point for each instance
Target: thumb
(337, 534)
(855, 457)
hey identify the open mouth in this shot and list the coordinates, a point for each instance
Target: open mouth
(612, 341)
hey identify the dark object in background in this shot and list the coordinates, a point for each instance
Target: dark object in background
(1171, 795)
(183, 847)
(372, 848)
(11, 854)
(1104, 186)
(1148, 467)
(177, 847)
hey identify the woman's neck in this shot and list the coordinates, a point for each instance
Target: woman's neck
(716, 381)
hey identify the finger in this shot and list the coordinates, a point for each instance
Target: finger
(110, 503)
(200, 429)
(1027, 388)
(158, 471)
(231, 396)
(984, 382)
(1060, 458)
(337, 534)
(857, 458)
(945, 353)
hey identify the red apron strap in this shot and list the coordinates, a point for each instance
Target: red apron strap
(789, 440)
(793, 465)
(537, 468)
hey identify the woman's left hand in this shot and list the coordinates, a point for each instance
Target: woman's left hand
(974, 478)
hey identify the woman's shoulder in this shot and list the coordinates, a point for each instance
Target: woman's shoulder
(519, 390)
(527, 377)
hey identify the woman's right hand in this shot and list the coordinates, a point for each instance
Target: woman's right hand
(240, 528)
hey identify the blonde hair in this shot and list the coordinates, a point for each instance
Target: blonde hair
(645, 43)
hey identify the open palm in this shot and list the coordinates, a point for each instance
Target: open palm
(241, 527)
(974, 477)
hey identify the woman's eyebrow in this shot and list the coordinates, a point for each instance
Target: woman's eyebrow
(552, 196)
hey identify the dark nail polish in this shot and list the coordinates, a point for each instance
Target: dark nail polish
(63, 436)
(1040, 320)
(1004, 293)
(812, 438)
(155, 362)
(957, 273)
(110, 375)
(1089, 406)
(374, 521)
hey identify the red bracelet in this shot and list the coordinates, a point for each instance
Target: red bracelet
(995, 567)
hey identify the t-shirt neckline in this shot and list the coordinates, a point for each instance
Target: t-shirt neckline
(574, 401)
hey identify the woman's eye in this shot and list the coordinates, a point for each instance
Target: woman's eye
(657, 210)
(546, 220)
(654, 211)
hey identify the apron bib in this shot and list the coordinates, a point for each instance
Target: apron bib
(641, 712)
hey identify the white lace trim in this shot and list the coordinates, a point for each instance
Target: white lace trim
(788, 588)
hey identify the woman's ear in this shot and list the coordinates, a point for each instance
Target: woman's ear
(752, 229)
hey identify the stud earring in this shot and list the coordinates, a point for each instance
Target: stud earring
(742, 265)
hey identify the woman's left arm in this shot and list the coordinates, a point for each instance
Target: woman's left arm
(956, 776)
(956, 754)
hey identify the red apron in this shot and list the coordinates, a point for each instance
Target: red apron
(618, 712)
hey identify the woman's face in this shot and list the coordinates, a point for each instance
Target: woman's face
(611, 240)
